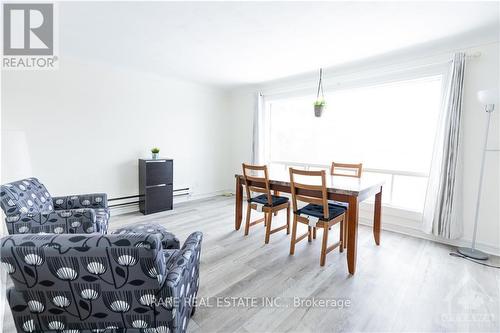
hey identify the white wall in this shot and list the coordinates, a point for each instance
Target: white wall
(87, 124)
(242, 105)
(3, 231)
(482, 73)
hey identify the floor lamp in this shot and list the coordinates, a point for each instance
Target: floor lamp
(488, 98)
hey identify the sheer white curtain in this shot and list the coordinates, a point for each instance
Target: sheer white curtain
(442, 211)
(258, 133)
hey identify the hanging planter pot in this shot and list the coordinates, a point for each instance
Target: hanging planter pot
(319, 104)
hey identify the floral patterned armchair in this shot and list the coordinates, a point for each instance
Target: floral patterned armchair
(101, 283)
(29, 208)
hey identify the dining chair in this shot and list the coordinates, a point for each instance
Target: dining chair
(318, 213)
(347, 169)
(354, 170)
(266, 202)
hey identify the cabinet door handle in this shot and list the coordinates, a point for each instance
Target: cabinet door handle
(156, 161)
(159, 185)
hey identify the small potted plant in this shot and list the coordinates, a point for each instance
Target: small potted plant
(155, 152)
(319, 105)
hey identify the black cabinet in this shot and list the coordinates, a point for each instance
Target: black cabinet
(155, 185)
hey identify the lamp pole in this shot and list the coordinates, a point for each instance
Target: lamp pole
(472, 252)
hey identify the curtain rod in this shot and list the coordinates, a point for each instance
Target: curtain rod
(383, 70)
(473, 55)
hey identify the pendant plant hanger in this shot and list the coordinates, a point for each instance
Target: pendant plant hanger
(320, 103)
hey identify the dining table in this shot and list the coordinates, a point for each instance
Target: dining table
(350, 190)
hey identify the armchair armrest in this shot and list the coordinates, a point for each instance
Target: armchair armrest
(187, 258)
(70, 221)
(92, 200)
(181, 284)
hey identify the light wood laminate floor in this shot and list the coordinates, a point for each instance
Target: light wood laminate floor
(406, 284)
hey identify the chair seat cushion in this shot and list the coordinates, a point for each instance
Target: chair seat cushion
(262, 199)
(168, 239)
(317, 211)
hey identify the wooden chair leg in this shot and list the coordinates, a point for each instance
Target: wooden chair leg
(314, 233)
(309, 234)
(346, 221)
(276, 193)
(322, 258)
(268, 218)
(247, 224)
(342, 228)
(288, 220)
(294, 235)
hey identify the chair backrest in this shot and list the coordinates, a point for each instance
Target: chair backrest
(346, 169)
(249, 173)
(315, 194)
(81, 281)
(25, 196)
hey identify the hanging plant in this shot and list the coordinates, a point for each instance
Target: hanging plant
(320, 102)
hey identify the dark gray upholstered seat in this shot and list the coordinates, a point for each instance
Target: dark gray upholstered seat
(30, 209)
(317, 211)
(262, 199)
(168, 239)
(100, 283)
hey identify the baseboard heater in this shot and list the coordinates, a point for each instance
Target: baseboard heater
(177, 193)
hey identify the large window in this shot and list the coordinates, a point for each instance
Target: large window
(388, 127)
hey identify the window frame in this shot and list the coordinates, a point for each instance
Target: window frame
(346, 82)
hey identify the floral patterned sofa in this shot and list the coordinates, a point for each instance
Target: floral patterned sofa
(30, 209)
(101, 283)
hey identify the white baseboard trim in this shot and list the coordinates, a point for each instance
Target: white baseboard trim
(177, 200)
(124, 209)
(411, 231)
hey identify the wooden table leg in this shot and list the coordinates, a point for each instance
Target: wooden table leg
(377, 217)
(276, 193)
(352, 234)
(238, 215)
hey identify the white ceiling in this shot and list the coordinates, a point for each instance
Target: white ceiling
(228, 43)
